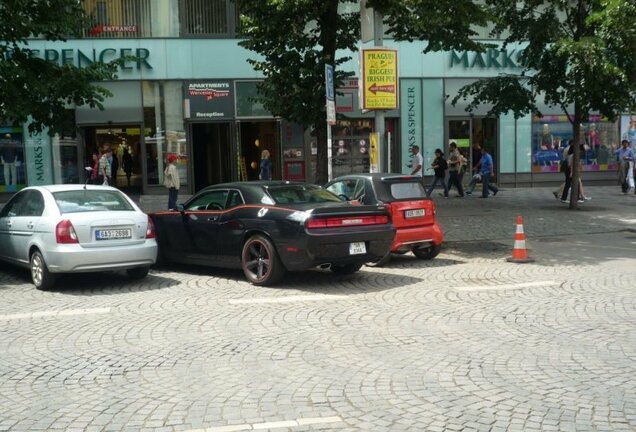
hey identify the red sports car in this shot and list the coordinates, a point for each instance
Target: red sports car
(413, 214)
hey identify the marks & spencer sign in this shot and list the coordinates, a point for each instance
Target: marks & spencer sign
(492, 58)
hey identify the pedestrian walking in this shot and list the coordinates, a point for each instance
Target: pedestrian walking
(625, 156)
(171, 181)
(568, 179)
(127, 162)
(104, 169)
(114, 167)
(439, 166)
(487, 170)
(563, 167)
(417, 161)
(454, 167)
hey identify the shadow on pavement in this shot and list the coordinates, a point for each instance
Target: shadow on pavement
(318, 281)
(109, 283)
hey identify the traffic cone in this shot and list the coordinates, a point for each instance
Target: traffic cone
(519, 251)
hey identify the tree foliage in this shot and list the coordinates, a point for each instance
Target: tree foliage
(39, 89)
(578, 56)
(294, 40)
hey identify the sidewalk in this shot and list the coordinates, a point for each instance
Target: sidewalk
(473, 219)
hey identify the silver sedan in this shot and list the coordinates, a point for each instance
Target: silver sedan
(75, 228)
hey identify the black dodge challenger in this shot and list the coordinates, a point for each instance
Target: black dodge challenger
(269, 227)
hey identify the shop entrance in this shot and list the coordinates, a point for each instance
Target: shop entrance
(124, 141)
(212, 153)
(256, 137)
(470, 134)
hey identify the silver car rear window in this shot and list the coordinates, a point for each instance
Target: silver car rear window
(87, 200)
(409, 190)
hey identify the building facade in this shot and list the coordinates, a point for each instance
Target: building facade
(190, 92)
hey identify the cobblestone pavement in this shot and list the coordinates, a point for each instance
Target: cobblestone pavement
(465, 342)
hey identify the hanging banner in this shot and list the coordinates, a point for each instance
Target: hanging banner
(379, 79)
(411, 131)
(374, 139)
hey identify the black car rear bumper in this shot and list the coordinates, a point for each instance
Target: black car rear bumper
(332, 245)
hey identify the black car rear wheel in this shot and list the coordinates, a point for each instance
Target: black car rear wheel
(260, 261)
(427, 253)
(345, 269)
(40, 275)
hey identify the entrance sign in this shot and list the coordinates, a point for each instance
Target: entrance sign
(379, 79)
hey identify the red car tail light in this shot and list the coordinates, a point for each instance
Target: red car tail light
(150, 231)
(65, 233)
(346, 221)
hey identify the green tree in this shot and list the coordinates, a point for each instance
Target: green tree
(580, 54)
(294, 40)
(30, 86)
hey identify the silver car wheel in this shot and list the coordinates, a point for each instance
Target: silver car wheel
(40, 275)
(36, 269)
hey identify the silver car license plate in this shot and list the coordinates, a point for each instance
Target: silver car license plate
(414, 213)
(113, 234)
(357, 248)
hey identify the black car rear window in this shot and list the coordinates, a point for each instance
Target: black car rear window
(91, 200)
(407, 190)
(298, 194)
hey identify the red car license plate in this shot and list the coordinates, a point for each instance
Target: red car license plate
(414, 213)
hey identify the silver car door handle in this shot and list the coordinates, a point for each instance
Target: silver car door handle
(9, 224)
(213, 218)
(30, 225)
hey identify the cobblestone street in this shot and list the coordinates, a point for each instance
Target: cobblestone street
(465, 342)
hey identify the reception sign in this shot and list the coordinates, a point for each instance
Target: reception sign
(380, 79)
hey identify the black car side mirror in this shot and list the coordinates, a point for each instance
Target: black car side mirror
(180, 207)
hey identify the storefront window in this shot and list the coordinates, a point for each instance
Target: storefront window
(12, 175)
(350, 146)
(65, 159)
(163, 117)
(550, 136)
(246, 103)
(628, 129)
(132, 18)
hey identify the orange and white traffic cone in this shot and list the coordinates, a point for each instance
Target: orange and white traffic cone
(519, 251)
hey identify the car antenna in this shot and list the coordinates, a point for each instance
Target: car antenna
(89, 170)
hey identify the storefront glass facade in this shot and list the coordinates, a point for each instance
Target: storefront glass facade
(163, 121)
(551, 135)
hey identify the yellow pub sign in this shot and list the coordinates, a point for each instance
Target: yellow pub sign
(380, 79)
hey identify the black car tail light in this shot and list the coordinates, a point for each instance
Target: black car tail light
(65, 233)
(346, 221)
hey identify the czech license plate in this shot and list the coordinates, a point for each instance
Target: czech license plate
(357, 248)
(414, 213)
(113, 234)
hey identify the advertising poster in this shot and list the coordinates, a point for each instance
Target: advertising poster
(628, 129)
(380, 79)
